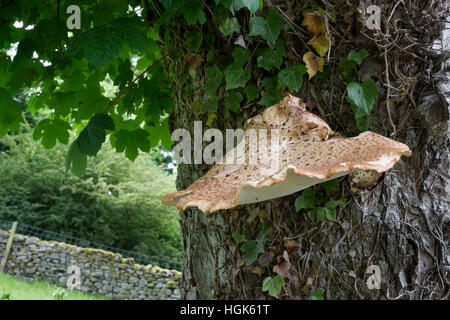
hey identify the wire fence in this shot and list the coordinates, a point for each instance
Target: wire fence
(42, 234)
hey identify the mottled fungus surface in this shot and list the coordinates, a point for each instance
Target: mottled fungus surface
(305, 156)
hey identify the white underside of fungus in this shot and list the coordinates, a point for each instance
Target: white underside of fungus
(306, 156)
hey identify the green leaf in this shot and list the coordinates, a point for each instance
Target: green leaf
(317, 295)
(330, 185)
(76, 160)
(292, 78)
(238, 238)
(252, 92)
(229, 26)
(233, 102)
(252, 249)
(358, 56)
(241, 56)
(307, 200)
(266, 228)
(269, 28)
(252, 5)
(273, 285)
(214, 79)
(193, 13)
(131, 141)
(236, 76)
(346, 65)
(102, 44)
(211, 104)
(194, 39)
(10, 113)
(272, 58)
(362, 96)
(50, 131)
(92, 137)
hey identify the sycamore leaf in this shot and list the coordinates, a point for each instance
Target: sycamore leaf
(292, 78)
(10, 113)
(313, 65)
(314, 23)
(131, 141)
(50, 131)
(236, 76)
(268, 28)
(273, 285)
(93, 135)
(320, 43)
(76, 160)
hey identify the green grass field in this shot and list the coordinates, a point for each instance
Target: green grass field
(37, 290)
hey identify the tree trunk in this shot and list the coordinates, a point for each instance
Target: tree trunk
(399, 225)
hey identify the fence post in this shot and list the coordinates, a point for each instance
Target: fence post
(8, 246)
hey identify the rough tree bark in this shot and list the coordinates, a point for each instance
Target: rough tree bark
(401, 224)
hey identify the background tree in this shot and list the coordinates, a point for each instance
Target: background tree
(222, 62)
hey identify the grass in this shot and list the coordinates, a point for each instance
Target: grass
(37, 290)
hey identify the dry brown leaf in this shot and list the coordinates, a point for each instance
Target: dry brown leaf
(265, 258)
(193, 61)
(313, 64)
(290, 244)
(314, 23)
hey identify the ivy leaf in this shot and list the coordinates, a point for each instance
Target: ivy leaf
(273, 285)
(241, 56)
(362, 96)
(252, 92)
(76, 160)
(229, 26)
(131, 141)
(292, 78)
(320, 43)
(233, 102)
(236, 76)
(194, 39)
(307, 200)
(317, 295)
(93, 135)
(252, 249)
(271, 94)
(346, 65)
(193, 13)
(251, 5)
(211, 104)
(358, 56)
(313, 65)
(272, 58)
(214, 76)
(238, 238)
(330, 185)
(269, 28)
(50, 131)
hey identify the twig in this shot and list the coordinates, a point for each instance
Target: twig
(388, 94)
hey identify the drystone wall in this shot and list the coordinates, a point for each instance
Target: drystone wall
(89, 270)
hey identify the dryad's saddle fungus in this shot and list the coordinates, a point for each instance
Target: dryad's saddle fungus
(306, 154)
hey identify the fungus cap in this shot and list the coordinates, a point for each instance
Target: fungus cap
(305, 156)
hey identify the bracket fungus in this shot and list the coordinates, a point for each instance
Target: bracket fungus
(305, 156)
